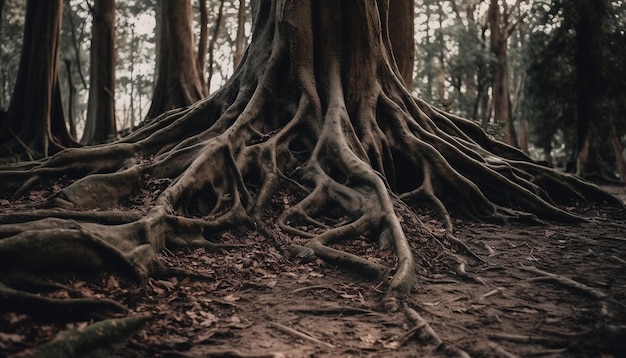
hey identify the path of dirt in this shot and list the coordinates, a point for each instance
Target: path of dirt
(543, 291)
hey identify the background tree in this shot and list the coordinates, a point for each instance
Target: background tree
(100, 125)
(502, 22)
(35, 125)
(241, 33)
(560, 81)
(178, 82)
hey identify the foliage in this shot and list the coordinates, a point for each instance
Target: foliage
(550, 99)
(11, 25)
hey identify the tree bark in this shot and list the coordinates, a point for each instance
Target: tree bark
(203, 43)
(216, 30)
(401, 32)
(100, 125)
(35, 125)
(501, 86)
(178, 82)
(240, 40)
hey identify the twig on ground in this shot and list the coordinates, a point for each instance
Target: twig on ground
(501, 352)
(299, 334)
(568, 282)
(524, 339)
(492, 292)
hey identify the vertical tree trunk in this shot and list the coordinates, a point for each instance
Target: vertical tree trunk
(178, 82)
(401, 32)
(241, 27)
(216, 30)
(71, 100)
(100, 126)
(35, 125)
(501, 86)
(618, 151)
(203, 43)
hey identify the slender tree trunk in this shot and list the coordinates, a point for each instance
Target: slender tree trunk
(618, 151)
(401, 32)
(100, 125)
(71, 99)
(241, 27)
(501, 85)
(70, 18)
(216, 30)
(203, 43)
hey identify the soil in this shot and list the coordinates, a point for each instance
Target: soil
(546, 290)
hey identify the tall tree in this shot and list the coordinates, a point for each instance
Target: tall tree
(178, 81)
(575, 94)
(241, 27)
(100, 125)
(502, 25)
(203, 43)
(35, 125)
(317, 109)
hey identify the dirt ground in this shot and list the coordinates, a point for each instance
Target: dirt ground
(542, 291)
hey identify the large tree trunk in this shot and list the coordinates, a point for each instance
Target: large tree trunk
(35, 125)
(100, 125)
(317, 109)
(401, 32)
(178, 81)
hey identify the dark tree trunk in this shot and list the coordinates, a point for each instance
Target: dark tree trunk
(216, 29)
(501, 84)
(203, 43)
(401, 32)
(240, 40)
(178, 82)
(100, 125)
(35, 125)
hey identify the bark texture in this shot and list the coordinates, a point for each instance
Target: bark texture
(179, 83)
(401, 32)
(307, 113)
(100, 124)
(35, 124)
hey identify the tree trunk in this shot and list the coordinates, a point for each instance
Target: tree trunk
(501, 87)
(203, 43)
(618, 151)
(71, 100)
(240, 40)
(216, 30)
(178, 82)
(401, 32)
(35, 125)
(100, 125)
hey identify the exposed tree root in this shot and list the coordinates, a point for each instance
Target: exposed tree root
(65, 310)
(602, 297)
(567, 282)
(80, 341)
(298, 334)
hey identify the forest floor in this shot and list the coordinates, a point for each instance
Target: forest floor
(542, 291)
